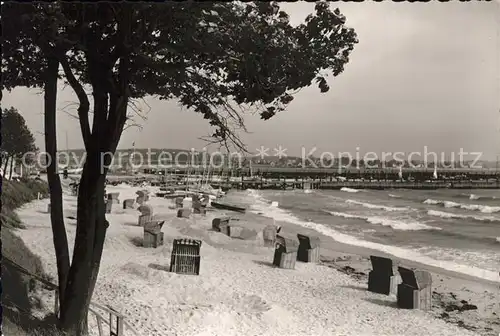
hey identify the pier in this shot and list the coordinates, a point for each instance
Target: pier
(326, 183)
(285, 178)
(374, 185)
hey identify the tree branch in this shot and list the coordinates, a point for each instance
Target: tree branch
(83, 109)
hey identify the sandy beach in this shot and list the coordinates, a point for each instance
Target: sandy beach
(238, 292)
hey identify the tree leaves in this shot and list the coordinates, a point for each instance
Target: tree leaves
(322, 84)
(212, 57)
(17, 139)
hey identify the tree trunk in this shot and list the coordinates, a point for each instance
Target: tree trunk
(11, 164)
(91, 219)
(109, 118)
(89, 242)
(56, 196)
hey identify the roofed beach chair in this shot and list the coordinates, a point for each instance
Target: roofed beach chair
(109, 205)
(184, 213)
(179, 202)
(221, 224)
(381, 279)
(185, 258)
(269, 235)
(153, 237)
(308, 248)
(285, 253)
(114, 197)
(128, 203)
(146, 211)
(416, 290)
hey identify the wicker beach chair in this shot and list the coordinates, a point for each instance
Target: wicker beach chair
(416, 290)
(308, 248)
(185, 258)
(381, 279)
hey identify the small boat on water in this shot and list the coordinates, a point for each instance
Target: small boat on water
(223, 206)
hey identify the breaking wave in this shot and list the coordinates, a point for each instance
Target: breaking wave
(395, 224)
(376, 206)
(262, 206)
(349, 190)
(476, 197)
(471, 207)
(444, 214)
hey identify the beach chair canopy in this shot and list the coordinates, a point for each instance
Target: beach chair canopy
(382, 265)
(308, 242)
(142, 193)
(270, 232)
(414, 278)
(187, 241)
(288, 243)
(154, 226)
(145, 209)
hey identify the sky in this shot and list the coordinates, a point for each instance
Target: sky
(424, 75)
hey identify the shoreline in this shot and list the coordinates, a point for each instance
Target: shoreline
(451, 290)
(344, 242)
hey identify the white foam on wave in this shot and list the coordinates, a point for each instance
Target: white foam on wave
(394, 196)
(376, 206)
(444, 214)
(395, 224)
(261, 206)
(349, 190)
(476, 197)
(471, 207)
(484, 259)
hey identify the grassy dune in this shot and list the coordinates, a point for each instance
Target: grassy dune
(18, 291)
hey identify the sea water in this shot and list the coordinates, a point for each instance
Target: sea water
(451, 229)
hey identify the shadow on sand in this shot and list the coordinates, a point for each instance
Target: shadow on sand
(360, 288)
(380, 302)
(136, 241)
(160, 267)
(264, 263)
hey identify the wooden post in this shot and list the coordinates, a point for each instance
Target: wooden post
(99, 325)
(118, 327)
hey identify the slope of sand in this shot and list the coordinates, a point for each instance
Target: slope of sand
(237, 291)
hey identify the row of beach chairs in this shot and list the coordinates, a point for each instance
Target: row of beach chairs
(414, 291)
